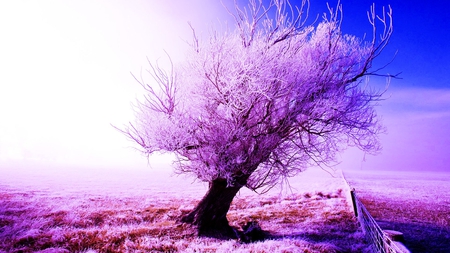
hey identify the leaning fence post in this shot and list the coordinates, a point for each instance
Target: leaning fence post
(387, 241)
(355, 208)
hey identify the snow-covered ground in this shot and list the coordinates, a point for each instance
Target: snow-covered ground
(414, 203)
(136, 210)
(72, 209)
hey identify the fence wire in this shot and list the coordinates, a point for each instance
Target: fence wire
(379, 241)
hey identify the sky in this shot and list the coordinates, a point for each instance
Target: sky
(65, 77)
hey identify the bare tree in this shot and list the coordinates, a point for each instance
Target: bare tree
(260, 103)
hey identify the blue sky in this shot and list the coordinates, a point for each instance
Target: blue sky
(65, 77)
(417, 110)
(420, 38)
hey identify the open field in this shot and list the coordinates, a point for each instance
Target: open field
(416, 204)
(75, 210)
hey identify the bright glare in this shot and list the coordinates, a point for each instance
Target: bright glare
(65, 73)
(65, 77)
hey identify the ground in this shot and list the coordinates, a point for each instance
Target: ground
(414, 203)
(70, 210)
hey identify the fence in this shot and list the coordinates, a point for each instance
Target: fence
(382, 241)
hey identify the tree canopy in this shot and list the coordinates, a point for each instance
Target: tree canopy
(259, 103)
(266, 99)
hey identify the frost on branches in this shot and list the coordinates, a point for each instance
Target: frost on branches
(260, 103)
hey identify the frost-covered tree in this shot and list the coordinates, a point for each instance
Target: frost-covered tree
(252, 106)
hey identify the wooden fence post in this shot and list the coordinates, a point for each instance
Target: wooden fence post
(355, 208)
(397, 239)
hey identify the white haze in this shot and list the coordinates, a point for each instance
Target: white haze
(65, 78)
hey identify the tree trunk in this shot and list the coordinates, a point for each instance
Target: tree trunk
(210, 214)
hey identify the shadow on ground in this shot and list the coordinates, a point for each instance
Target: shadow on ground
(328, 234)
(421, 237)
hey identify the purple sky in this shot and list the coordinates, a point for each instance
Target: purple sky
(65, 76)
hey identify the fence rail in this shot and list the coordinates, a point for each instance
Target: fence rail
(381, 241)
